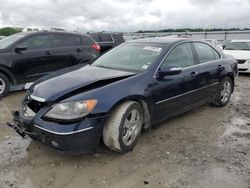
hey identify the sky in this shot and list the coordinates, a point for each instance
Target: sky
(124, 15)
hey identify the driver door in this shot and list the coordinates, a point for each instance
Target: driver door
(174, 94)
(34, 62)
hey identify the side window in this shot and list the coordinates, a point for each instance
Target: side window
(118, 38)
(65, 40)
(95, 37)
(216, 54)
(206, 53)
(106, 38)
(87, 41)
(181, 56)
(36, 42)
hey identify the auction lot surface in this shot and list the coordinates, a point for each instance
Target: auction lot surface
(206, 147)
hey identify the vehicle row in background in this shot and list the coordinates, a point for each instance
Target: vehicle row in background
(107, 41)
(214, 42)
(26, 56)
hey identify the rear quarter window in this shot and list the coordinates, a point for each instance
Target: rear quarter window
(206, 53)
(65, 40)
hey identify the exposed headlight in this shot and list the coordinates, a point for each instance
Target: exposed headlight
(71, 110)
(247, 61)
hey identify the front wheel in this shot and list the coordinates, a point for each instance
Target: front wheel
(4, 85)
(123, 127)
(224, 93)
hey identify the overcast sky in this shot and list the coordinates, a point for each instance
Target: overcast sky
(124, 15)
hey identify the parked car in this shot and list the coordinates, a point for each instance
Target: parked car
(214, 42)
(240, 49)
(132, 87)
(224, 43)
(2, 37)
(25, 57)
(107, 41)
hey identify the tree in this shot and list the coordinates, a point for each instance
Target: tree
(57, 29)
(7, 31)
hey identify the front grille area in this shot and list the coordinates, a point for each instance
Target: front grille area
(242, 69)
(35, 106)
(241, 61)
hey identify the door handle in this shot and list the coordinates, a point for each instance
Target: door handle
(193, 74)
(78, 50)
(220, 68)
(47, 53)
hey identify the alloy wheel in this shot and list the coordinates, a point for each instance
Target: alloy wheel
(226, 91)
(2, 85)
(132, 127)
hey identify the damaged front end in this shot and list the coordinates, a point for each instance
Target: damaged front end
(68, 112)
(82, 136)
(20, 127)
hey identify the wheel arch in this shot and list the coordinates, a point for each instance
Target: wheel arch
(8, 74)
(145, 105)
(232, 77)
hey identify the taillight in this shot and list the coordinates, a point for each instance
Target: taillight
(96, 46)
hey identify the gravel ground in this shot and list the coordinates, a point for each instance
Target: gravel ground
(206, 147)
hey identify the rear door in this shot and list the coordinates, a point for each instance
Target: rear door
(67, 49)
(175, 93)
(211, 66)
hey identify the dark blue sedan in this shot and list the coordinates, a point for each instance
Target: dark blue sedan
(129, 89)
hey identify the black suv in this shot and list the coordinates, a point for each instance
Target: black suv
(26, 56)
(107, 40)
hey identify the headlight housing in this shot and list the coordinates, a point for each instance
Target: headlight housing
(71, 110)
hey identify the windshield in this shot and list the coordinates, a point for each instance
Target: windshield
(6, 42)
(135, 57)
(238, 46)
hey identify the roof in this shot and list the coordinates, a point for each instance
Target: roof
(104, 32)
(240, 41)
(42, 32)
(162, 40)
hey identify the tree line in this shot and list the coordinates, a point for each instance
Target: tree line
(7, 31)
(190, 30)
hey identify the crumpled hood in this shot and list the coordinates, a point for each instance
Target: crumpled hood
(58, 86)
(239, 54)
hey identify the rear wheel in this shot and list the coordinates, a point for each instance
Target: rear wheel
(123, 128)
(4, 85)
(224, 93)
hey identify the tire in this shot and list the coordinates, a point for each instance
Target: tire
(4, 85)
(224, 93)
(123, 127)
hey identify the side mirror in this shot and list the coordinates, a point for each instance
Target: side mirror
(169, 70)
(19, 49)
